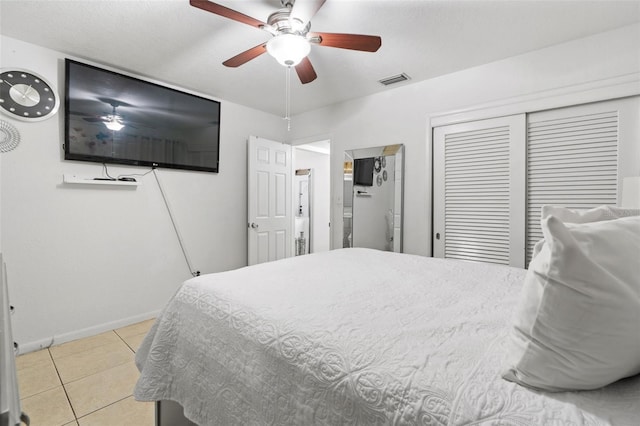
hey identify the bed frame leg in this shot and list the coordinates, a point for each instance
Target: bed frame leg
(170, 413)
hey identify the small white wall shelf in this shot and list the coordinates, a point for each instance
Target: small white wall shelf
(73, 179)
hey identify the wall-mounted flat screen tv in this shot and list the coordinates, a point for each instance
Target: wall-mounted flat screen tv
(363, 171)
(115, 118)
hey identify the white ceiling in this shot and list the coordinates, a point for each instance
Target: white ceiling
(171, 41)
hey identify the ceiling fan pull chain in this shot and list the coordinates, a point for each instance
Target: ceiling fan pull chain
(288, 98)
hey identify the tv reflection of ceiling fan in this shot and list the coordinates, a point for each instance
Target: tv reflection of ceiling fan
(291, 40)
(113, 121)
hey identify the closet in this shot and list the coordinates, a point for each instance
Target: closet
(492, 176)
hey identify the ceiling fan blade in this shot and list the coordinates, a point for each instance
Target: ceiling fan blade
(227, 13)
(246, 56)
(365, 43)
(305, 71)
(304, 10)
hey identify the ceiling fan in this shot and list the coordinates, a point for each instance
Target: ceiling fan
(291, 41)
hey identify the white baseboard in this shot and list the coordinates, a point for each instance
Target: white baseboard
(85, 332)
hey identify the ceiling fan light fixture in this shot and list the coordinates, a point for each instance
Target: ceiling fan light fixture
(288, 49)
(114, 124)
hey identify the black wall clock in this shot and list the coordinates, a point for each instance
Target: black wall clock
(27, 96)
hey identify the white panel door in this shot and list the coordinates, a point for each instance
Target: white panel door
(269, 200)
(479, 190)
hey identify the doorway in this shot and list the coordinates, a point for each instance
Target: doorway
(312, 197)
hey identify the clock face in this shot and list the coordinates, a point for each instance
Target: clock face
(27, 96)
(377, 166)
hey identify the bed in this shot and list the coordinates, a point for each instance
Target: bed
(355, 337)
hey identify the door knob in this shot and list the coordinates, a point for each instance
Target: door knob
(254, 225)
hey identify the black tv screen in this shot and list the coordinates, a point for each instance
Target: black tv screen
(114, 118)
(363, 171)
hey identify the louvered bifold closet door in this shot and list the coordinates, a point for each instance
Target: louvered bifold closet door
(573, 158)
(479, 191)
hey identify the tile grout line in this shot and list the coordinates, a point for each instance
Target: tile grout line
(102, 408)
(64, 388)
(125, 342)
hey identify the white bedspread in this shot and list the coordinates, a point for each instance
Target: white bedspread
(355, 337)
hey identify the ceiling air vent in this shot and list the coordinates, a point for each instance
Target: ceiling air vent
(394, 79)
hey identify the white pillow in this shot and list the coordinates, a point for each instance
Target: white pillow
(596, 214)
(578, 322)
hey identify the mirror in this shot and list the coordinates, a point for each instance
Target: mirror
(373, 197)
(302, 216)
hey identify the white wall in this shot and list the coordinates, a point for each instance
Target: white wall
(82, 259)
(401, 115)
(321, 204)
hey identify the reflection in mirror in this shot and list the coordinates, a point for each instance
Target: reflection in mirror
(302, 218)
(373, 195)
(347, 196)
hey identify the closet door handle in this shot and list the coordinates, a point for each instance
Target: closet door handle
(254, 225)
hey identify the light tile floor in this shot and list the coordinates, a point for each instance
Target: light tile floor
(87, 382)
